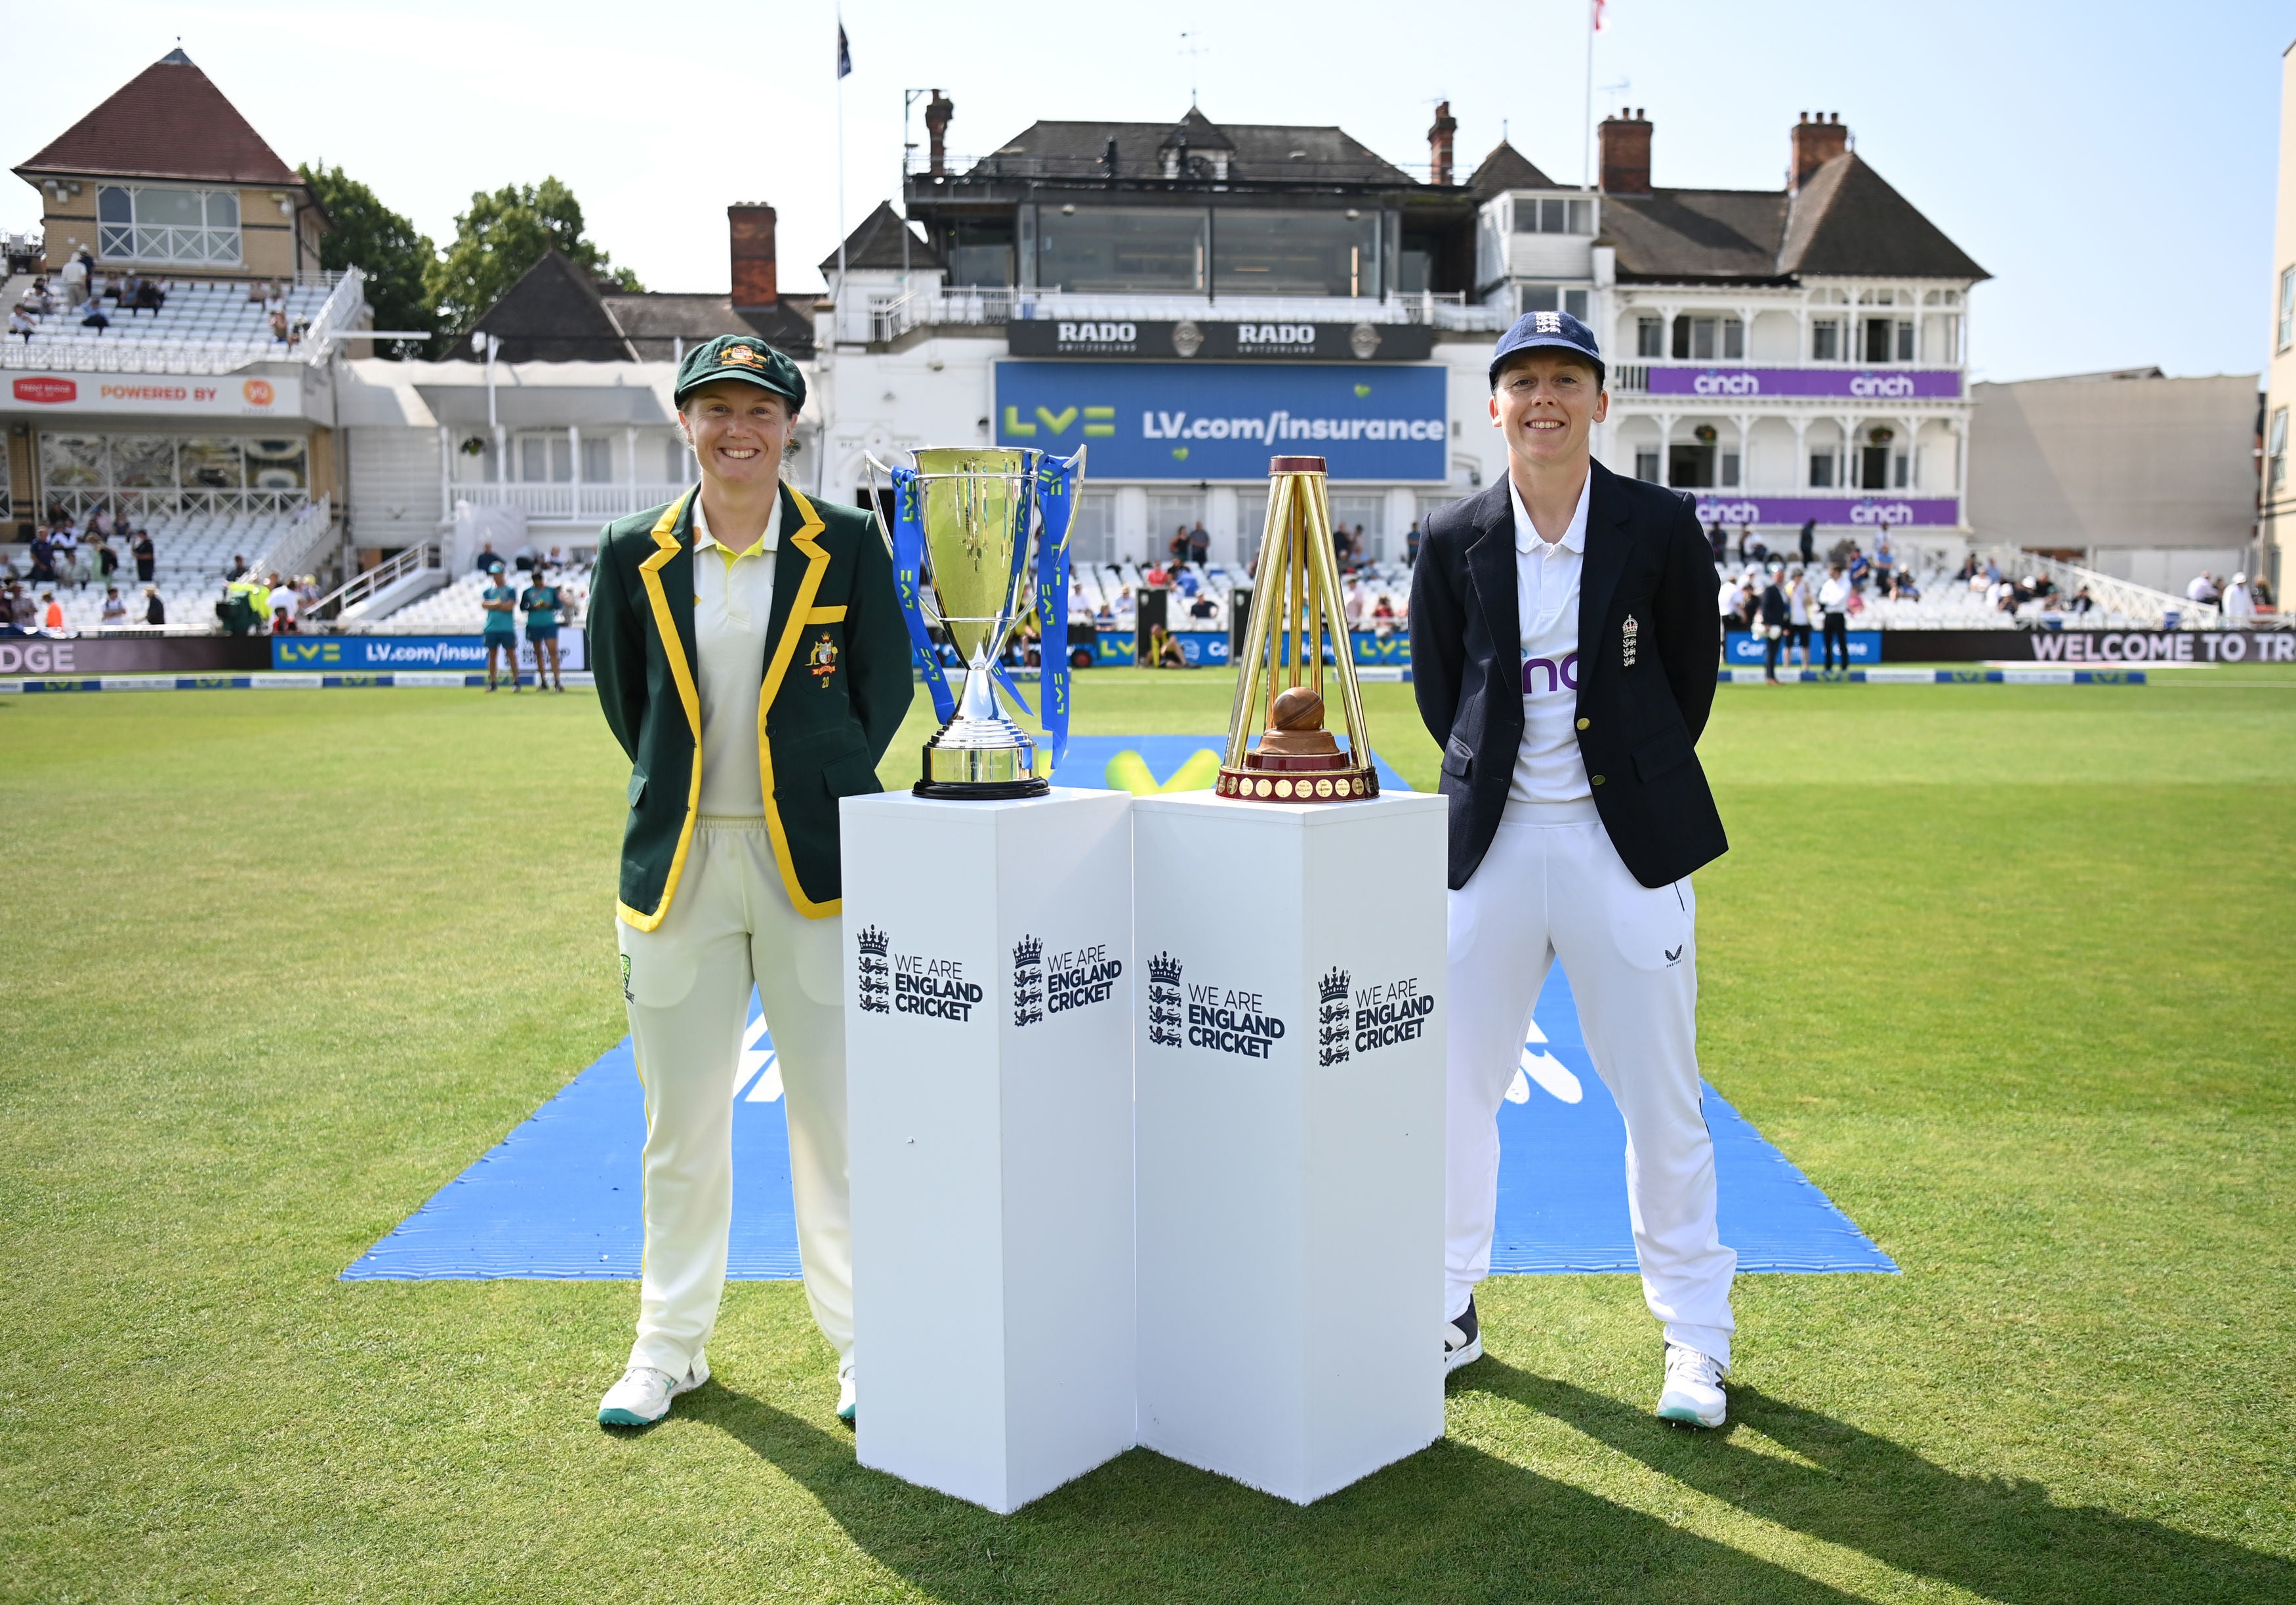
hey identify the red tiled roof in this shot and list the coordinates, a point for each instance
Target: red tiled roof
(169, 121)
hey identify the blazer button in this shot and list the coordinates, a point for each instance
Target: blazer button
(1585, 722)
(1597, 778)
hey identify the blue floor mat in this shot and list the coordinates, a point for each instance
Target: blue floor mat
(559, 1197)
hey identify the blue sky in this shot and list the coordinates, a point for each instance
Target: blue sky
(2111, 164)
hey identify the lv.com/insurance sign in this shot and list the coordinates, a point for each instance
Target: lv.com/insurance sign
(1178, 421)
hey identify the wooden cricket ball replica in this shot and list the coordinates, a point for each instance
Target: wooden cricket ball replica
(1297, 616)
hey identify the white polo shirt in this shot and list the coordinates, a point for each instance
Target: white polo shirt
(732, 606)
(1547, 765)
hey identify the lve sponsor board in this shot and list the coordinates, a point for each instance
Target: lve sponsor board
(1175, 421)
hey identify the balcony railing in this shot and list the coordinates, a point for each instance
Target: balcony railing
(563, 502)
(889, 318)
(1200, 167)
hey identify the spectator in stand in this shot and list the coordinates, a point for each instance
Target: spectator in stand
(1383, 617)
(1808, 547)
(237, 569)
(1798, 614)
(155, 612)
(307, 596)
(1411, 546)
(1858, 570)
(2239, 601)
(115, 611)
(1353, 605)
(487, 562)
(539, 602)
(2081, 603)
(1358, 548)
(52, 618)
(1885, 558)
(1720, 541)
(149, 297)
(140, 548)
(20, 322)
(66, 542)
(107, 560)
(74, 277)
(526, 558)
(1833, 611)
(43, 555)
(15, 608)
(1203, 609)
(1105, 619)
(501, 635)
(1176, 549)
(2204, 587)
(1200, 545)
(95, 319)
(1155, 579)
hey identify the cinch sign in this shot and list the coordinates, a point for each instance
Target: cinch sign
(1178, 421)
(1861, 385)
(1876, 512)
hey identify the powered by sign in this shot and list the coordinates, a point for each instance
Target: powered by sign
(231, 396)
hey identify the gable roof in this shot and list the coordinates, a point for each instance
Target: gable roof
(1506, 169)
(169, 121)
(1848, 220)
(557, 313)
(1845, 220)
(877, 244)
(1267, 152)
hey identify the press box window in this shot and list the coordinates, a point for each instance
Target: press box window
(1826, 341)
(1650, 338)
(1646, 465)
(2275, 448)
(1553, 297)
(1555, 217)
(2285, 332)
(141, 223)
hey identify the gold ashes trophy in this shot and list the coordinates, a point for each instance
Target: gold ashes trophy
(1297, 614)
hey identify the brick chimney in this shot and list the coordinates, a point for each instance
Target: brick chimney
(938, 112)
(1816, 142)
(1626, 143)
(1438, 142)
(756, 277)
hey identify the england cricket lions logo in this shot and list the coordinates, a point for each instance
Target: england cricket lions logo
(872, 978)
(1164, 1000)
(1332, 1019)
(1028, 982)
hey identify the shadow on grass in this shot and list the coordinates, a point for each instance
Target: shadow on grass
(1449, 1524)
(2003, 1539)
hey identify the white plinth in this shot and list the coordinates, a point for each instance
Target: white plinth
(1290, 1185)
(990, 1112)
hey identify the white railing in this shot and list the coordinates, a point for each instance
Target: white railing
(363, 587)
(2125, 597)
(565, 502)
(140, 506)
(889, 318)
(122, 350)
(292, 552)
(336, 317)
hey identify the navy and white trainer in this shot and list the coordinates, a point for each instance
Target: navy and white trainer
(846, 1405)
(1462, 1338)
(642, 1397)
(1693, 1395)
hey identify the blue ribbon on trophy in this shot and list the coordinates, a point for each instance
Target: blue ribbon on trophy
(1057, 479)
(909, 580)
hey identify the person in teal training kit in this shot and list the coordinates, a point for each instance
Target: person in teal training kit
(501, 603)
(751, 659)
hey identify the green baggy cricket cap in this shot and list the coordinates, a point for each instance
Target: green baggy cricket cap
(743, 357)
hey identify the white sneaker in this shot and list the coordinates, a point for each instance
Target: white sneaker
(1694, 1394)
(845, 1406)
(1463, 1339)
(642, 1397)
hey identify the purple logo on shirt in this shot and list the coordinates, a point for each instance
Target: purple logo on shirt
(1563, 675)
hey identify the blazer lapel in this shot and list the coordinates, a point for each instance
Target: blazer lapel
(667, 572)
(1491, 567)
(1607, 540)
(799, 566)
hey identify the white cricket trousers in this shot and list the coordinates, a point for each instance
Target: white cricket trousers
(732, 925)
(1551, 885)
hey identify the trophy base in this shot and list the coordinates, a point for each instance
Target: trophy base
(1285, 779)
(979, 774)
(980, 791)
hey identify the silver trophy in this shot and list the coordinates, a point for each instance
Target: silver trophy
(978, 505)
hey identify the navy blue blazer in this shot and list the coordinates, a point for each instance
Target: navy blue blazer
(1643, 695)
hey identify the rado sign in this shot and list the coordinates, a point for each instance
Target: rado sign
(1339, 340)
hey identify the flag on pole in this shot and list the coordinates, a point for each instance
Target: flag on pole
(1598, 16)
(845, 50)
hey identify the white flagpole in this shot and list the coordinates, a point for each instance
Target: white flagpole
(1586, 120)
(841, 157)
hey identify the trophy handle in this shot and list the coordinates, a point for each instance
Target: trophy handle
(927, 599)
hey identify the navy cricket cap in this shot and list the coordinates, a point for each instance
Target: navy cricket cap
(1533, 330)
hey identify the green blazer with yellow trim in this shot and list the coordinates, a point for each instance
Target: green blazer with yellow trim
(833, 688)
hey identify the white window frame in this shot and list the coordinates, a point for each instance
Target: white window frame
(174, 244)
(2284, 335)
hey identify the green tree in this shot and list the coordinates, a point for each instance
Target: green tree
(386, 247)
(500, 237)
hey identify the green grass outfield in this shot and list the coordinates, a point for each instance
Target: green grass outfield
(2006, 969)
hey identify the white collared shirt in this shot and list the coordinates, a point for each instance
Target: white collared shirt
(733, 607)
(1547, 765)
